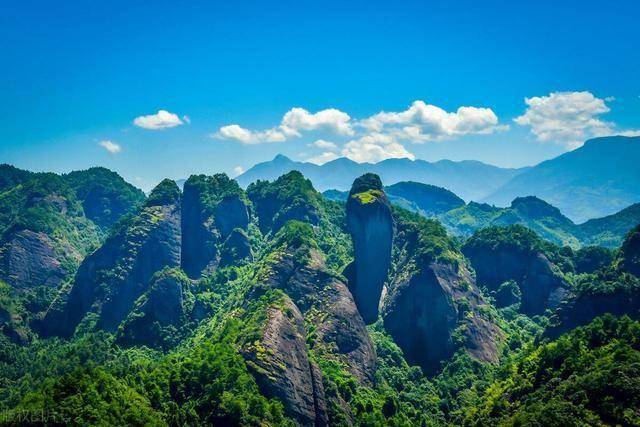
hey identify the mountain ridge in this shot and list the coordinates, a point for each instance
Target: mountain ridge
(598, 179)
(471, 178)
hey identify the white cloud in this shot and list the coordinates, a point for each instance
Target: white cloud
(323, 158)
(629, 133)
(293, 123)
(423, 122)
(161, 120)
(186, 119)
(568, 118)
(374, 148)
(110, 146)
(246, 136)
(298, 119)
(326, 145)
(238, 170)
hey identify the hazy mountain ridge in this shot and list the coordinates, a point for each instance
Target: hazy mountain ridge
(470, 179)
(600, 178)
(597, 179)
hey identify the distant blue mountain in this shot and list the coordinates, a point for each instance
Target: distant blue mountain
(471, 180)
(600, 178)
(546, 220)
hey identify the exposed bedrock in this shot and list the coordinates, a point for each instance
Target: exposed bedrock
(370, 224)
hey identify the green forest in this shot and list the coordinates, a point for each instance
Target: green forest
(212, 305)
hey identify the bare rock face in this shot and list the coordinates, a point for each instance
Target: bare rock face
(212, 207)
(501, 254)
(290, 197)
(200, 237)
(370, 224)
(424, 311)
(110, 280)
(541, 287)
(616, 291)
(339, 326)
(165, 305)
(236, 248)
(287, 373)
(581, 310)
(28, 259)
(231, 213)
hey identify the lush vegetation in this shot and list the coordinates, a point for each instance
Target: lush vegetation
(291, 196)
(205, 366)
(591, 376)
(547, 221)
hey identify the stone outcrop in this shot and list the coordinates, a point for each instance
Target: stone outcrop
(213, 206)
(166, 304)
(236, 248)
(29, 259)
(370, 224)
(317, 292)
(581, 310)
(231, 213)
(105, 195)
(282, 368)
(541, 286)
(424, 312)
(613, 290)
(500, 258)
(290, 197)
(200, 237)
(110, 280)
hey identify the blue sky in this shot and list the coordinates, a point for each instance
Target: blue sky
(75, 75)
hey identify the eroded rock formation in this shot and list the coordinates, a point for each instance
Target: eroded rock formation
(370, 224)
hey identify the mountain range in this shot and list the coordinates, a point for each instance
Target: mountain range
(598, 179)
(470, 179)
(273, 305)
(464, 219)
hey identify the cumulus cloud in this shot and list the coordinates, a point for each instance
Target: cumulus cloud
(298, 119)
(238, 170)
(568, 118)
(161, 120)
(323, 158)
(110, 146)
(246, 136)
(423, 122)
(375, 147)
(321, 143)
(629, 133)
(293, 123)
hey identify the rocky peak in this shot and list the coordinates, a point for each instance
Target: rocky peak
(165, 306)
(501, 254)
(370, 224)
(432, 306)
(290, 197)
(165, 193)
(300, 271)
(110, 280)
(287, 373)
(535, 208)
(232, 212)
(104, 194)
(213, 206)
